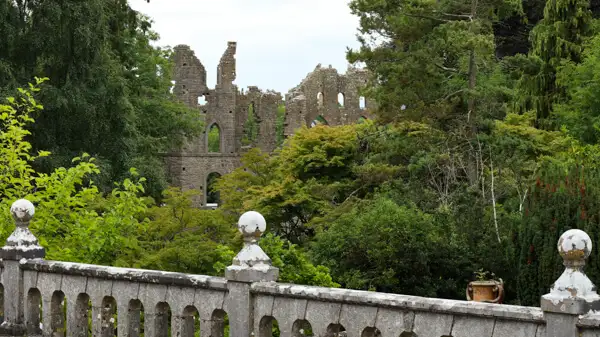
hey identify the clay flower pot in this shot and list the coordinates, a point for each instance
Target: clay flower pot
(485, 291)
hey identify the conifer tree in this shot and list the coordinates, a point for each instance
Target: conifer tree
(558, 37)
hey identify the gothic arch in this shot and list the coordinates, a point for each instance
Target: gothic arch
(214, 138)
(210, 195)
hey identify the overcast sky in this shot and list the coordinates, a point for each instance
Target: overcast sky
(279, 41)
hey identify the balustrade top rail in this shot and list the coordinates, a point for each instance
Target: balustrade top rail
(58, 299)
(402, 302)
(125, 274)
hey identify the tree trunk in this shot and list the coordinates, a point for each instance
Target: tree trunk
(471, 114)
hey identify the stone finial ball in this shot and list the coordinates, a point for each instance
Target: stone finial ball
(22, 210)
(575, 244)
(252, 224)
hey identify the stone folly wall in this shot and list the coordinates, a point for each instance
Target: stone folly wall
(334, 97)
(58, 299)
(226, 107)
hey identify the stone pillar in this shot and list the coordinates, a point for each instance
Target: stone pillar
(251, 264)
(573, 294)
(20, 245)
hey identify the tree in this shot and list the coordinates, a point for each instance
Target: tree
(311, 173)
(383, 246)
(74, 220)
(579, 113)
(557, 38)
(428, 56)
(108, 92)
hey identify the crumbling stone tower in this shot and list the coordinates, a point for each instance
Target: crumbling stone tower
(322, 94)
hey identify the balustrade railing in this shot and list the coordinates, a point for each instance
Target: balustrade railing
(60, 299)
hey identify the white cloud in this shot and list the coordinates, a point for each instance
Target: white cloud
(279, 41)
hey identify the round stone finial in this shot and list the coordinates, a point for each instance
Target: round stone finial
(22, 211)
(252, 224)
(575, 245)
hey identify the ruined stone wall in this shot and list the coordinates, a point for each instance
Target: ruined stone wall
(226, 107)
(319, 95)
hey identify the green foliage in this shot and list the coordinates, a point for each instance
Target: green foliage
(179, 237)
(557, 38)
(409, 257)
(73, 220)
(579, 114)
(294, 266)
(108, 93)
(279, 125)
(250, 127)
(214, 139)
(76, 222)
(431, 57)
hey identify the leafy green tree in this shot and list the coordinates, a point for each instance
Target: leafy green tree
(179, 237)
(74, 220)
(294, 265)
(380, 245)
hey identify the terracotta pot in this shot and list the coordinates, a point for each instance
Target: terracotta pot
(485, 291)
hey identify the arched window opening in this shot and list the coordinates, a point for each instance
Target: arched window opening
(202, 100)
(320, 120)
(341, 100)
(320, 99)
(190, 322)
(109, 317)
(219, 323)
(136, 318)
(335, 330)
(82, 316)
(212, 195)
(214, 139)
(162, 320)
(58, 313)
(34, 312)
(371, 332)
(250, 126)
(409, 334)
(302, 328)
(362, 102)
(268, 327)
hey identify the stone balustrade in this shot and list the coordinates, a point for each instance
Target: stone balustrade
(59, 299)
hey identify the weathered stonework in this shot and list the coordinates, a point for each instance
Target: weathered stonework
(226, 107)
(324, 92)
(73, 295)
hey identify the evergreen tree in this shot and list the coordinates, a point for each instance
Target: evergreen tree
(108, 89)
(557, 38)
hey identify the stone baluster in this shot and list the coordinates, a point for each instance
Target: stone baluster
(21, 244)
(573, 294)
(251, 264)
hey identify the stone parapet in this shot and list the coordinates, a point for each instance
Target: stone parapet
(54, 298)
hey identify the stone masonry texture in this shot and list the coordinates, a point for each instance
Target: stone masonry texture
(324, 94)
